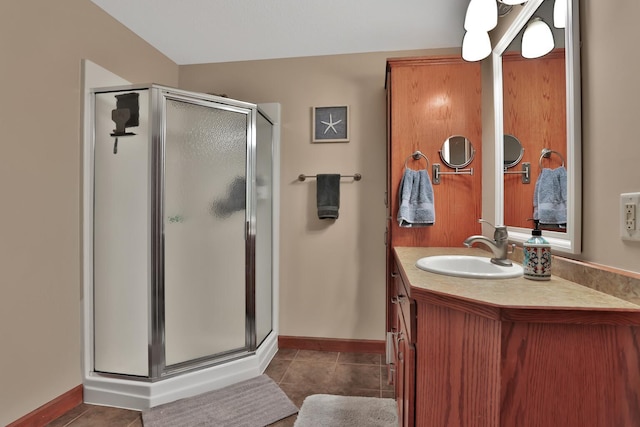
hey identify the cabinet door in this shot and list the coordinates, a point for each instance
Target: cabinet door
(392, 327)
(398, 340)
(406, 377)
(404, 325)
(400, 378)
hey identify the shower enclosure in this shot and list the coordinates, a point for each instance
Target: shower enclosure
(183, 290)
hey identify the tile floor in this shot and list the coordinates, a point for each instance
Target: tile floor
(300, 373)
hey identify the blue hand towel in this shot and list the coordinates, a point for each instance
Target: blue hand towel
(550, 197)
(416, 200)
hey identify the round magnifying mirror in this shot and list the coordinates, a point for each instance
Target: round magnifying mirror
(457, 152)
(513, 151)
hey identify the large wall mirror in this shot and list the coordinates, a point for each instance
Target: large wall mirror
(538, 101)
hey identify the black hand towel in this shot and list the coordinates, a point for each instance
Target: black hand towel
(328, 195)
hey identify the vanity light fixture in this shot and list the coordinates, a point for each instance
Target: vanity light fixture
(482, 15)
(504, 9)
(537, 39)
(560, 13)
(513, 2)
(476, 46)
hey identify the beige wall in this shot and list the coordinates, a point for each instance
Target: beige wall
(610, 114)
(331, 273)
(42, 44)
(320, 285)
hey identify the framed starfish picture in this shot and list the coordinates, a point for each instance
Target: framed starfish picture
(330, 124)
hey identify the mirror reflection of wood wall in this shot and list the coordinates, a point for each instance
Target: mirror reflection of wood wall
(534, 112)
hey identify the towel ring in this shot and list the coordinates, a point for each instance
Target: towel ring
(416, 156)
(546, 153)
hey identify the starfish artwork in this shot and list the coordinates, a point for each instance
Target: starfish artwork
(330, 124)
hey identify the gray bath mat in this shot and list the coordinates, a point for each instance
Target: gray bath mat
(253, 403)
(325, 410)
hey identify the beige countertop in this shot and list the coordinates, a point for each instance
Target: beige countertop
(518, 293)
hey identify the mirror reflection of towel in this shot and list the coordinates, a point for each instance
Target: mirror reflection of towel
(416, 199)
(328, 195)
(550, 197)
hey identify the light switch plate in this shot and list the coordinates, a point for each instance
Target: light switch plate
(629, 220)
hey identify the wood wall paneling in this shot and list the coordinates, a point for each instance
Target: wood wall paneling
(432, 99)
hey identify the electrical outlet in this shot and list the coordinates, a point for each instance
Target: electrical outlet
(629, 206)
(630, 216)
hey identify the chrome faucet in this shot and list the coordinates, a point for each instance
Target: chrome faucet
(498, 245)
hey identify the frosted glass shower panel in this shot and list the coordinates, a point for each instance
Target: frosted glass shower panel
(121, 239)
(264, 232)
(204, 230)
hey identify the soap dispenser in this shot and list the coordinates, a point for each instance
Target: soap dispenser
(537, 256)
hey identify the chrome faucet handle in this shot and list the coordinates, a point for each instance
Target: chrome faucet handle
(495, 227)
(481, 221)
(500, 231)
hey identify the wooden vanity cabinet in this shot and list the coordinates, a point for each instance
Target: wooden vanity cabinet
(479, 363)
(404, 309)
(527, 371)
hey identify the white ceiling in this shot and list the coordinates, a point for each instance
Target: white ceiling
(205, 31)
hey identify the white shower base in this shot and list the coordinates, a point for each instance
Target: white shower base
(141, 395)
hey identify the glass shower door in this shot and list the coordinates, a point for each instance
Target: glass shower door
(204, 224)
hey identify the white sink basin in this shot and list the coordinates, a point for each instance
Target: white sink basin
(467, 266)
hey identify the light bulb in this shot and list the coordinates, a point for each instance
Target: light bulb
(537, 39)
(560, 13)
(475, 46)
(482, 15)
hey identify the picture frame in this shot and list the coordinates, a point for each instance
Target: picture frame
(330, 124)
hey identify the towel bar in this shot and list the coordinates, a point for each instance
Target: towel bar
(356, 177)
(416, 156)
(546, 153)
